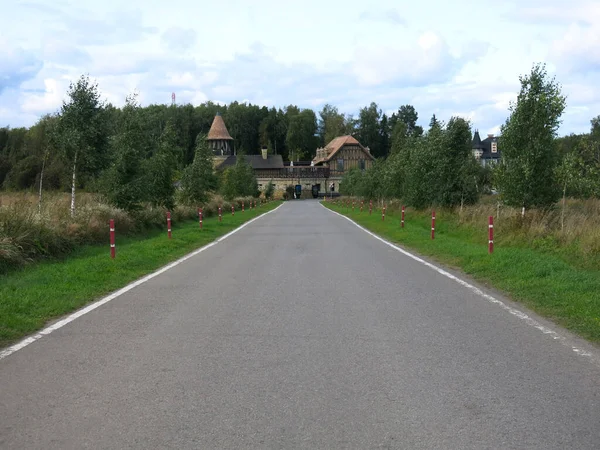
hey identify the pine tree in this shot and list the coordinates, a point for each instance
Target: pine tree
(123, 182)
(160, 169)
(199, 179)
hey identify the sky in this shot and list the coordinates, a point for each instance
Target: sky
(449, 58)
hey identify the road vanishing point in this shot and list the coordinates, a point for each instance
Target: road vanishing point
(301, 330)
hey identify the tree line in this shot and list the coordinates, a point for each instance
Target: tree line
(83, 132)
(136, 154)
(536, 166)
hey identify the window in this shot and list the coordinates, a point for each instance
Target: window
(494, 147)
(340, 165)
(361, 164)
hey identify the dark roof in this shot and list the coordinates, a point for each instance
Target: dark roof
(486, 146)
(256, 161)
(477, 140)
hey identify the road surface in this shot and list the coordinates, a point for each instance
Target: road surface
(299, 331)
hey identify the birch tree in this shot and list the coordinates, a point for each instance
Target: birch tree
(82, 134)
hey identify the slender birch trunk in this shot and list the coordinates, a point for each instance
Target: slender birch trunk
(562, 214)
(42, 182)
(73, 185)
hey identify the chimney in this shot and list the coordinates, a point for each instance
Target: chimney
(264, 153)
(491, 135)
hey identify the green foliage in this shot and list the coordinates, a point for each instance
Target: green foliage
(199, 179)
(239, 180)
(301, 140)
(369, 129)
(435, 169)
(123, 182)
(529, 157)
(352, 183)
(81, 133)
(332, 124)
(408, 115)
(160, 168)
(269, 190)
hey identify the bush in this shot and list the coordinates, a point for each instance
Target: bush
(269, 190)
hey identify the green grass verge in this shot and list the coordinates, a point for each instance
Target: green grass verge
(30, 297)
(544, 281)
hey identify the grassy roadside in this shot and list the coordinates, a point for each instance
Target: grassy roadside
(551, 285)
(30, 297)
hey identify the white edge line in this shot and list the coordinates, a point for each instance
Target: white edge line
(515, 312)
(61, 323)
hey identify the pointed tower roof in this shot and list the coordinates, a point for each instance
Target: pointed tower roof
(218, 130)
(477, 140)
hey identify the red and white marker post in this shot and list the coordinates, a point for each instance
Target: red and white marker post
(220, 214)
(352, 205)
(242, 206)
(383, 213)
(232, 210)
(370, 206)
(112, 238)
(433, 224)
(200, 217)
(491, 235)
(402, 221)
(362, 203)
(169, 223)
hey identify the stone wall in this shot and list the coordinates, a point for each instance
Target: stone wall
(307, 184)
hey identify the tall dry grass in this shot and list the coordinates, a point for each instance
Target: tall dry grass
(541, 228)
(29, 233)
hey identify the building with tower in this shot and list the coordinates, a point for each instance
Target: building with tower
(219, 140)
(486, 150)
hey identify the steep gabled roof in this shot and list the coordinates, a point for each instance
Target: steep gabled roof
(476, 141)
(337, 144)
(218, 130)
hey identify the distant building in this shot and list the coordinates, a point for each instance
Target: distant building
(486, 151)
(219, 140)
(318, 177)
(339, 156)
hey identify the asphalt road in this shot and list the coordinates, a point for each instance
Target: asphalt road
(299, 331)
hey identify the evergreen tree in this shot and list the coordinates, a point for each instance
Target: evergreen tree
(123, 182)
(269, 190)
(199, 178)
(160, 169)
(239, 180)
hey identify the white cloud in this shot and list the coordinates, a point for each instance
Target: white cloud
(426, 61)
(49, 100)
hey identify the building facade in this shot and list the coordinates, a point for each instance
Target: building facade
(339, 156)
(486, 151)
(319, 177)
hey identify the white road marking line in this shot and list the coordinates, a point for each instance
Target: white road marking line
(515, 312)
(61, 323)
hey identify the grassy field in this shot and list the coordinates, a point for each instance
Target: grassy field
(557, 279)
(32, 296)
